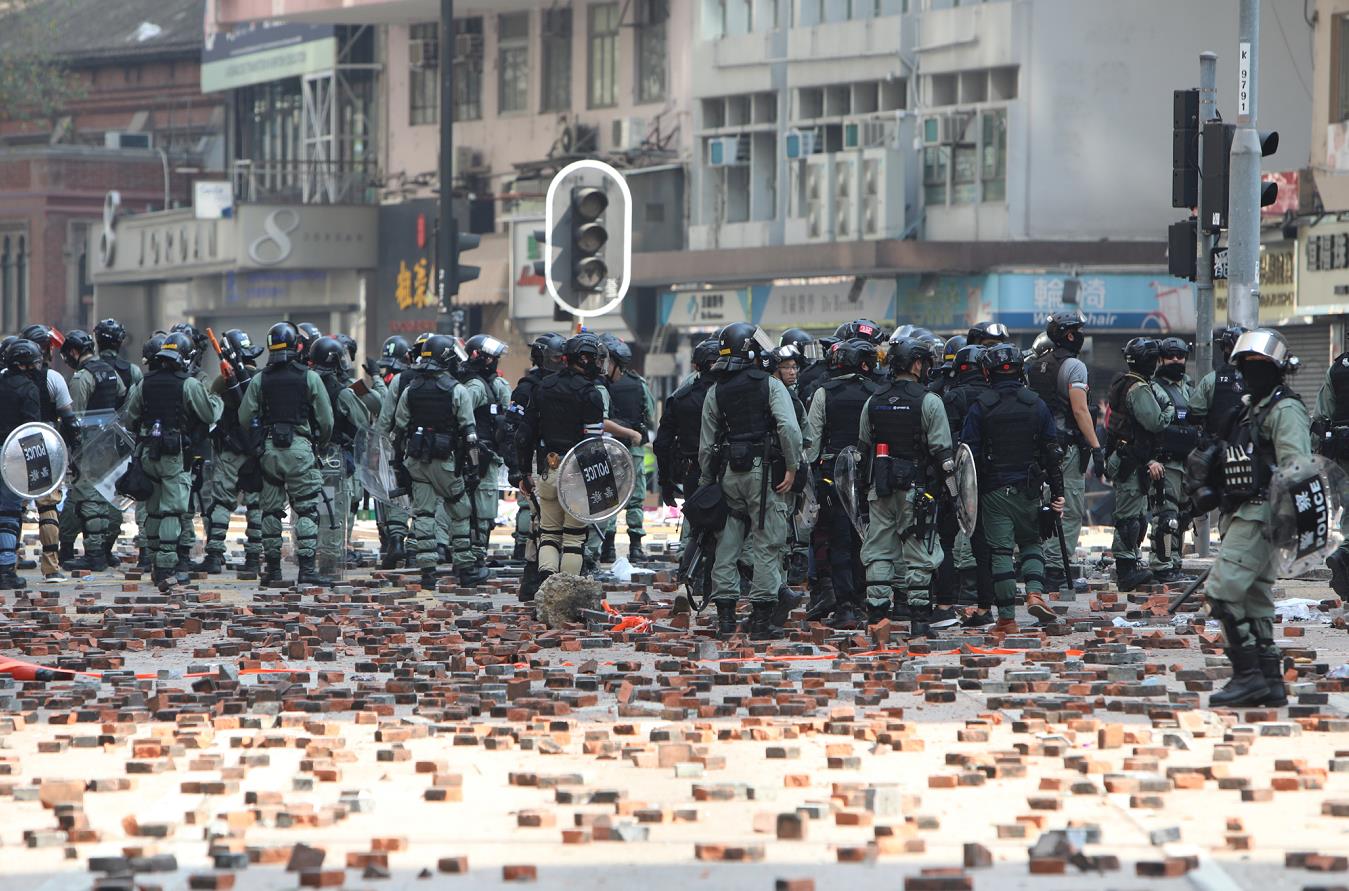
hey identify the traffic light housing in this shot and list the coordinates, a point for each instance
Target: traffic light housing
(1182, 242)
(460, 273)
(588, 238)
(1216, 177)
(1185, 148)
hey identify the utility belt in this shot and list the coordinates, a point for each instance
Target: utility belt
(891, 473)
(283, 433)
(167, 444)
(741, 454)
(1072, 437)
(682, 465)
(1177, 441)
(1332, 441)
(425, 444)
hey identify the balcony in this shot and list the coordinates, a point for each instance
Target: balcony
(305, 182)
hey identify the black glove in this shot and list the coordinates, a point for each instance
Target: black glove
(371, 368)
(1098, 463)
(402, 477)
(667, 494)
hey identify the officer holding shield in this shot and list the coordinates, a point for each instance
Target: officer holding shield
(94, 387)
(20, 403)
(234, 445)
(1176, 442)
(633, 406)
(491, 400)
(1332, 423)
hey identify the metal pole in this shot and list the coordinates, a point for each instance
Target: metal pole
(1203, 342)
(1243, 222)
(446, 230)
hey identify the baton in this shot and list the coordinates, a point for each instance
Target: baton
(1188, 592)
(1068, 568)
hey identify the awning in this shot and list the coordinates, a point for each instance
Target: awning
(493, 257)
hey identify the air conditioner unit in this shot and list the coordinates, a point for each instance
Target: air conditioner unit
(882, 194)
(879, 132)
(799, 143)
(727, 151)
(122, 139)
(845, 197)
(628, 134)
(819, 198)
(466, 159)
(468, 44)
(424, 53)
(934, 130)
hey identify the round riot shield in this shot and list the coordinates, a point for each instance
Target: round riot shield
(33, 460)
(595, 479)
(849, 488)
(1306, 498)
(967, 490)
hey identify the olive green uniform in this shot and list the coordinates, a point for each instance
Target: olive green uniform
(763, 546)
(169, 472)
(897, 557)
(290, 472)
(1169, 492)
(99, 520)
(1127, 468)
(1326, 408)
(393, 517)
(495, 400)
(634, 512)
(334, 541)
(225, 494)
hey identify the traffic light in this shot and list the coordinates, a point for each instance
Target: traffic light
(1185, 148)
(1182, 240)
(463, 241)
(1216, 177)
(588, 237)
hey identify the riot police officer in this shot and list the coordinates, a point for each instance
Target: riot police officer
(751, 444)
(234, 446)
(987, 334)
(167, 408)
(199, 453)
(401, 547)
(1177, 439)
(545, 354)
(491, 400)
(1137, 418)
(1216, 400)
(1013, 436)
(390, 519)
(905, 441)
(146, 557)
(832, 424)
(566, 407)
(1273, 429)
(305, 335)
(110, 335)
(681, 423)
(434, 431)
(295, 418)
(94, 387)
(1059, 377)
(20, 403)
(326, 357)
(57, 409)
(966, 563)
(1330, 431)
(943, 372)
(631, 405)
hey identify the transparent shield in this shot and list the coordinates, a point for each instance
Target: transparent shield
(807, 509)
(33, 460)
(104, 454)
(967, 490)
(848, 487)
(595, 479)
(374, 469)
(1306, 498)
(334, 501)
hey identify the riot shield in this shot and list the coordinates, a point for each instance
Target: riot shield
(807, 509)
(334, 503)
(1307, 499)
(595, 479)
(104, 454)
(695, 568)
(374, 468)
(966, 489)
(849, 488)
(33, 460)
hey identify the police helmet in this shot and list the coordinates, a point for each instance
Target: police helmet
(441, 352)
(908, 350)
(546, 351)
(176, 350)
(1065, 328)
(195, 337)
(1225, 338)
(1002, 360)
(109, 334)
(394, 354)
(305, 335)
(1041, 345)
(282, 341)
(78, 343)
(787, 352)
(584, 353)
(22, 353)
(484, 351)
(952, 346)
(326, 354)
(863, 329)
(705, 354)
(856, 355)
(620, 354)
(4, 345)
(969, 361)
(152, 345)
(805, 343)
(416, 355)
(1173, 347)
(348, 343)
(742, 344)
(1140, 355)
(987, 333)
(242, 345)
(46, 337)
(1263, 343)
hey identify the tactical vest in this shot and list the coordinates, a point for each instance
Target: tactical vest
(162, 401)
(14, 391)
(285, 395)
(431, 402)
(1011, 441)
(44, 394)
(565, 408)
(742, 400)
(344, 431)
(1228, 388)
(119, 365)
(811, 380)
(687, 405)
(1177, 396)
(896, 416)
(958, 399)
(524, 389)
(486, 416)
(844, 400)
(627, 402)
(1339, 386)
(104, 396)
(1043, 376)
(1250, 460)
(1123, 426)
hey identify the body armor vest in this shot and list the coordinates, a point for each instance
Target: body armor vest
(1228, 388)
(104, 396)
(344, 431)
(628, 402)
(896, 416)
(119, 365)
(1011, 442)
(485, 416)
(431, 402)
(162, 400)
(688, 409)
(564, 410)
(44, 395)
(1339, 385)
(1177, 397)
(1123, 426)
(285, 395)
(958, 399)
(1043, 375)
(1249, 460)
(742, 400)
(811, 379)
(524, 389)
(15, 390)
(844, 400)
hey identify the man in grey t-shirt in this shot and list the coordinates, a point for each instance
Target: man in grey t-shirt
(1061, 380)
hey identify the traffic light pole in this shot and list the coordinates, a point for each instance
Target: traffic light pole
(1204, 310)
(449, 319)
(1243, 236)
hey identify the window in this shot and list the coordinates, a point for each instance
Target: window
(468, 56)
(424, 74)
(555, 85)
(13, 280)
(513, 62)
(651, 50)
(602, 91)
(964, 174)
(993, 155)
(1339, 108)
(936, 160)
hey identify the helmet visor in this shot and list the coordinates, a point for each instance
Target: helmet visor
(1261, 342)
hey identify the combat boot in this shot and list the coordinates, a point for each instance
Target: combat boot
(210, 564)
(429, 579)
(309, 574)
(271, 571)
(607, 552)
(876, 612)
(473, 576)
(518, 552)
(93, 562)
(845, 618)
(761, 625)
(1338, 564)
(66, 556)
(1271, 666)
(10, 581)
(1129, 576)
(396, 553)
(920, 620)
(1036, 606)
(184, 564)
(822, 600)
(529, 582)
(967, 593)
(635, 546)
(725, 618)
(252, 563)
(145, 560)
(1248, 685)
(788, 600)
(1055, 578)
